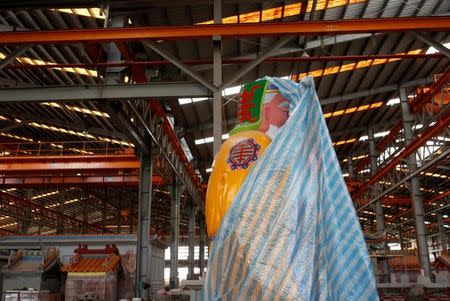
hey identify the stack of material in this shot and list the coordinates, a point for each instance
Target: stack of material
(94, 272)
(33, 269)
(27, 295)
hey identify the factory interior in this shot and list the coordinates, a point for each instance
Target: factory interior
(112, 113)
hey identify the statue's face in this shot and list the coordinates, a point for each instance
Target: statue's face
(277, 111)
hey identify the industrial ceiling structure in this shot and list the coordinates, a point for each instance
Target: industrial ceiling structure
(90, 86)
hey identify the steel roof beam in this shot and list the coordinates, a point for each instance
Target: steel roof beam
(30, 118)
(430, 41)
(155, 90)
(249, 66)
(322, 42)
(228, 30)
(183, 67)
(14, 55)
(378, 90)
(104, 92)
(48, 215)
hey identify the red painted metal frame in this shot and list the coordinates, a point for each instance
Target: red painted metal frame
(421, 100)
(436, 198)
(74, 164)
(228, 30)
(28, 204)
(137, 66)
(438, 127)
(157, 108)
(45, 181)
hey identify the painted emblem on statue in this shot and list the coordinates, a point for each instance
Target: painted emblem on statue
(243, 154)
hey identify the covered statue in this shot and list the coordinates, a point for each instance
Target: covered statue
(281, 220)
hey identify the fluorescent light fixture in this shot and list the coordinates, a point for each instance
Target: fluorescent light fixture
(210, 139)
(183, 101)
(393, 101)
(187, 100)
(231, 90)
(376, 135)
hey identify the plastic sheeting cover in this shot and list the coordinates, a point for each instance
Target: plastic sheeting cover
(292, 232)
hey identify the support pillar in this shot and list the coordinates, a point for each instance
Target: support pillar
(416, 197)
(174, 232)
(119, 217)
(351, 171)
(442, 234)
(85, 211)
(24, 224)
(401, 240)
(104, 209)
(131, 218)
(191, 240)
(142, 285)
(60, 229)
(217, 80)
(201, 251)
(379, 215)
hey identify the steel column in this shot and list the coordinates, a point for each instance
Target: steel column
(328, 27)
(104, 209)
(174, 232)
(60, 229)
(85, 210)
(351, 173)
(217, 79)
(191, 239)
(113, 75)
(201, 252)
(442, 233)
(430, 41)
(401, 240)
(142, 284)
(416, 197)
(24, 224)
(373, 169)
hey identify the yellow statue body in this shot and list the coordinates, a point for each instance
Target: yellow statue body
(224, 182)
(262, 111)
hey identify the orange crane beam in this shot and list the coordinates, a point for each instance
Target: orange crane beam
(37, 181)
(91, 163)
(45, 171)
(330, 27)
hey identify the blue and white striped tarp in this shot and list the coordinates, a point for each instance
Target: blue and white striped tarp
(292, 232)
